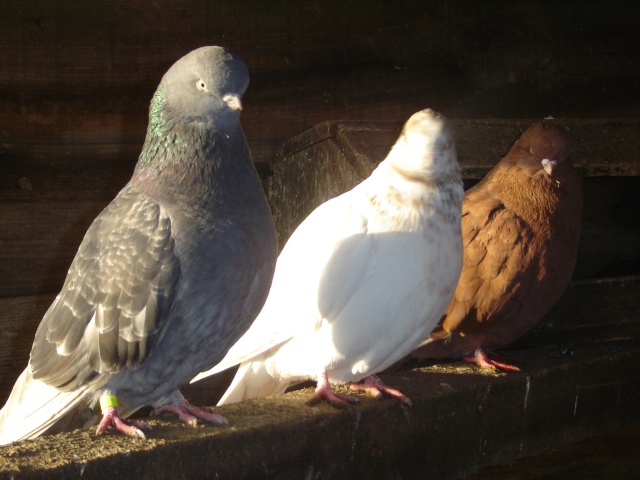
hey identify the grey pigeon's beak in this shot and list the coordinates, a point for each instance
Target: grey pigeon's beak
(233, 101)
(549, 165)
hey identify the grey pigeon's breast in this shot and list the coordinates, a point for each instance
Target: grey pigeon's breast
(227, 261)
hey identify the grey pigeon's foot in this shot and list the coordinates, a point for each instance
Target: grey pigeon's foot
(376, 388)
(187, 413)
(132, 428)
(490, 360)
(324, 392)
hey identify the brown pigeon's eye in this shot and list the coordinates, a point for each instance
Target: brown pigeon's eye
(200, 85)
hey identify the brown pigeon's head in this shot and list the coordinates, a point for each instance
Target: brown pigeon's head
(548, 143)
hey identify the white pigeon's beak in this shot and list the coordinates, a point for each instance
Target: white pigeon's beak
(233, 101)
(549, 165)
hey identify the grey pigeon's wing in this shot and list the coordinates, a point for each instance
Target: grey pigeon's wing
(115, 297)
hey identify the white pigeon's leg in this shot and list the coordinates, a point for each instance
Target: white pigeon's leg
(375, 387)
(188, 413)
(324, 392)
(490, 360)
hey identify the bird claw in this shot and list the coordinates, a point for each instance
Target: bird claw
(490, 360)
(131, 428)
(376, 388)
(189, 414)
(325, 392)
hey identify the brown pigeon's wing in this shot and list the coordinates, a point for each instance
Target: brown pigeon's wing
(496, 251)
(114, 299)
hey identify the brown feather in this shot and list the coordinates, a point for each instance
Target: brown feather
(520, 229)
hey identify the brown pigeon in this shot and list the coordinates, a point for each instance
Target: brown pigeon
(520, 229)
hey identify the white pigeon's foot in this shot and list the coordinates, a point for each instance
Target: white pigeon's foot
(132, 428)
(324, 392)
(376, 388)
(187, 413)
(490, 360)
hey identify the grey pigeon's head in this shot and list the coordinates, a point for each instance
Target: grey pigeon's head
(205, 86)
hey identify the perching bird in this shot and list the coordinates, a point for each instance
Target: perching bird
(363, 279)
(520, 229)
(168, 276)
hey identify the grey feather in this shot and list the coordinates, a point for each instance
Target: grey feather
(175, 269)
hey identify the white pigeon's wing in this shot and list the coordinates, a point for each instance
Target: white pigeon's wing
(295, 305)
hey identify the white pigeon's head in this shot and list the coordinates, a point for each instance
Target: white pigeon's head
(426, 147)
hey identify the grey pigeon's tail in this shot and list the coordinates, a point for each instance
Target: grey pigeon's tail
(33, 407)
(252, 380)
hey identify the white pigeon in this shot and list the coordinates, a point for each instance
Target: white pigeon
(363, 279)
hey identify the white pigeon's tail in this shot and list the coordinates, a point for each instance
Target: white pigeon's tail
(252, 380)
(33, 407)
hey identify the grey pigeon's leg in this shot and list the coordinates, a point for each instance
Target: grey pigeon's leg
(132, 428)
(187, 413)
(375, 387)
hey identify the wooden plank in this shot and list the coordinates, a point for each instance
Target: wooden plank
(85, 71)
(19, 318)
(461, 420)
(590, 310)
(612, 455)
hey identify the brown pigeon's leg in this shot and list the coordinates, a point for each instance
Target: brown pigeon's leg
(133, 428)
(490, 360)
(188, 413)
(374, 387)
(324, 392)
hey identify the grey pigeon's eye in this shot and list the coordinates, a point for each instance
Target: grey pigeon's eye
(200, 85)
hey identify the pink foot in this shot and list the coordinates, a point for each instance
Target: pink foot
(132, 428)
(374, 387)
(187, 413)
(490, 360)
(324, 392)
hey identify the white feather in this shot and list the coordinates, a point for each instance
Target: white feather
(33, 407)
(364, 278)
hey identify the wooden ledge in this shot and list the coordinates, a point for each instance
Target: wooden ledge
(462, 419)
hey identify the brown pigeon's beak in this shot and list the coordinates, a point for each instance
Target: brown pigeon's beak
(549, 165)
(233, 101)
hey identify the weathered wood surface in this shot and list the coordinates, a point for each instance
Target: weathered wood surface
(83, 72)
(613, 455)
(461, 420)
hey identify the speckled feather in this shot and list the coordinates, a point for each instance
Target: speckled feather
(365, 277)
(171, 273)
(521, 227)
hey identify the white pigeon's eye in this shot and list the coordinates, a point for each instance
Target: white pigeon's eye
(200, 85)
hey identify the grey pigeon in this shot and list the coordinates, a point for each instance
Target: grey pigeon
(168, 276)
(363, 279)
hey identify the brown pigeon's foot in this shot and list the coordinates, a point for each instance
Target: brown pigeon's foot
(132, 428)
(490, 360)
(187, 413)
(374, 387)
(324, 392)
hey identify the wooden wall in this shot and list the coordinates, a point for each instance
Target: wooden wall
(76, 79)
